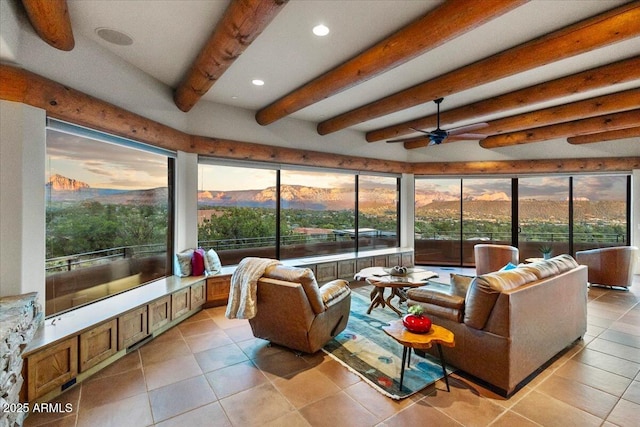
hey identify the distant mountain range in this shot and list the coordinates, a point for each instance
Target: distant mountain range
(490, 206)
(63, 189)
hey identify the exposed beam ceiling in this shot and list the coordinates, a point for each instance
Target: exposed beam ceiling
(608, 75)
(598, 106)
(610, 27)
(563, 130)
(50, 19)
(435, 28)
(241, 23)
(605, 136)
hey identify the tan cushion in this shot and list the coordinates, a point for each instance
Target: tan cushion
(542, 269)
(460, 284)
(563, 262)
(484, 290)
(428, 296)
(334, 291)
(305, 277)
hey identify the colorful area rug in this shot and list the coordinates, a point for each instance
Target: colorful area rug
(365, 349)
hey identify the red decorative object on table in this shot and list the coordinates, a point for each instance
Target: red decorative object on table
(418, 324)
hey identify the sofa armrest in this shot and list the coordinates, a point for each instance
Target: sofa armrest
(437, 303)
(335, 291)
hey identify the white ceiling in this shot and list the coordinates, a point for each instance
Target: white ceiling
(168, 35)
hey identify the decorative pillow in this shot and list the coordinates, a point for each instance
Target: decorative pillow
(197, 262)
(509, 266)
(460, 284)
(184, 259)
(212, 262)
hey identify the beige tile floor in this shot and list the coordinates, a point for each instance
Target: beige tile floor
(211, 371)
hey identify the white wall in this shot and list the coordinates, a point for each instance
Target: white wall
(186, 201)
(407, 210)
(635, 214)
(22, 199)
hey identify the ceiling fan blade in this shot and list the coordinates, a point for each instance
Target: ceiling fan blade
(415, 138)
(467, 137)
(422, 131)
(467, 129)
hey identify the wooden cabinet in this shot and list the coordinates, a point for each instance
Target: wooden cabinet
(362, 263)
(393, 260)
(218, 290)
(159, 313)
(52, 367)
(347, 269)
(380, 261)
(198, 295)
(132, 327)
(98, 344)
(326, 272)
(407, 259)
(180, 303)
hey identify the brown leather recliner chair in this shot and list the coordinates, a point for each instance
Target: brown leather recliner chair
(612, 266)
(293, 311)
(490, 258)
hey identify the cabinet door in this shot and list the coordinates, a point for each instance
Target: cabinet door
(394, 260)
(180, 303)
(407, 259)
(159, 313)
(132, 327)
(327, 271)
(380, 261)
(52, 367)
(346, 269)
(198, 295)
(218, 290)
(362, 263)
(98, 344)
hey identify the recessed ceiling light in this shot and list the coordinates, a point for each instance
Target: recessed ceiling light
(258, 82)
(321, 30)
(114, 36)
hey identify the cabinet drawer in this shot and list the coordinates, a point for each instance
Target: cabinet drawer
(198, 295)
(394, 260)
(407, 259)
(98, 344)
(132, 327)
(159, 313)
(180, 303)
(380, 261)
(52, 367)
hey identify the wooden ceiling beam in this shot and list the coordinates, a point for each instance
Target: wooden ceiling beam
(242, 22)
(605, 136)
(563, 130)
(512, 167)
(438, 26)
(592, 107)
(610, 27)
(611, 74)
(50, 19)
(59, 101)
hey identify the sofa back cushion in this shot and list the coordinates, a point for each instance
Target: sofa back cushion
(305, 277)
(484, 290)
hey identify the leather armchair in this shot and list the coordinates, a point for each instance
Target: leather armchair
(612, 266)
(293, 311)
(490, 258)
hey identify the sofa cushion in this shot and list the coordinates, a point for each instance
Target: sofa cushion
(563, 262)
(484, 290)
(541, 269)
(305, 277)
(460, 284)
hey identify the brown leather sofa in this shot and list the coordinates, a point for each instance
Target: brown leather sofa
(293, 311)
(509, 323)
(489, 257)
(612, 266)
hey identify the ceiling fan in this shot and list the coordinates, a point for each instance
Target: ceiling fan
(438, 136)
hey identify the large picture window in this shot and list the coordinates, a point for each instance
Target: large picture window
(108, 216)
(276, 211)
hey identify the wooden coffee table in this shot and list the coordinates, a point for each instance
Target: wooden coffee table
(437, 335)
(381, 278)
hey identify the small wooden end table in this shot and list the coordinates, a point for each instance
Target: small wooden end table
(437, 335)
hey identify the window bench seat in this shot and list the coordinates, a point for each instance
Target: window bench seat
(72, 346)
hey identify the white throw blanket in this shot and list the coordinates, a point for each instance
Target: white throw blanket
(244, 287)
